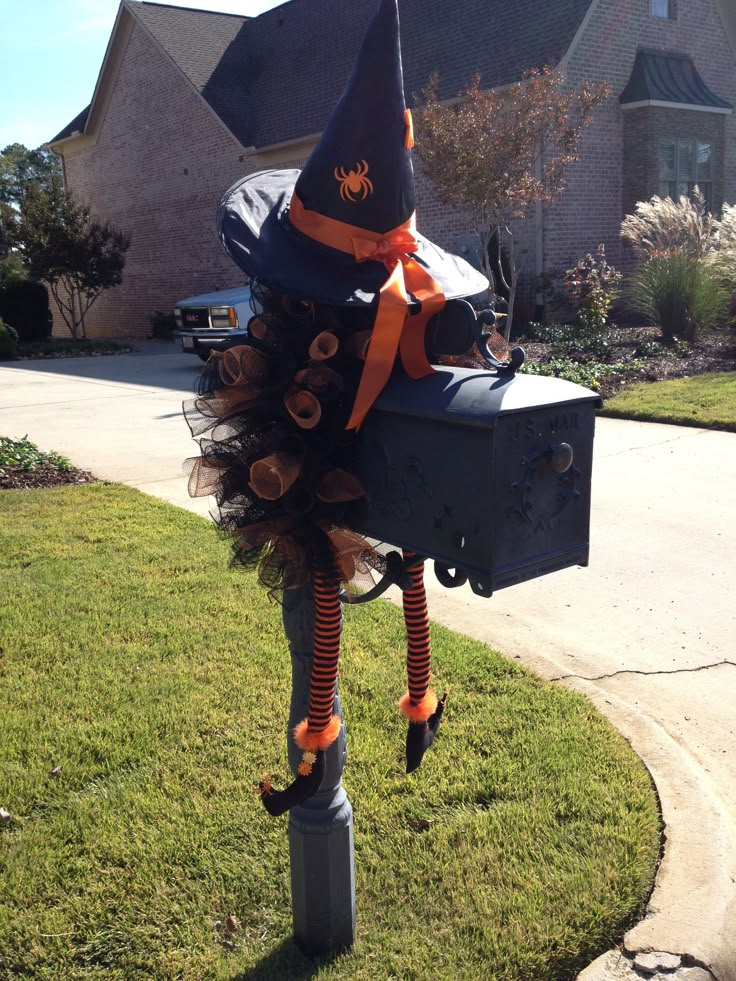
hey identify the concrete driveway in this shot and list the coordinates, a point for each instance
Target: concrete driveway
(648, 632)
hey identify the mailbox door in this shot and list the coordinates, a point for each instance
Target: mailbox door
(542, 510)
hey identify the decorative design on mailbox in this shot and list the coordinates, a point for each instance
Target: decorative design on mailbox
(540, 502)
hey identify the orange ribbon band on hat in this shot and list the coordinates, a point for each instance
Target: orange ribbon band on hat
(394, 330)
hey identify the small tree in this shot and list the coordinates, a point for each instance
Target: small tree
(498, 153)
(60, 243)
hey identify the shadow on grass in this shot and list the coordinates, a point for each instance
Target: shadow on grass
(286, 961)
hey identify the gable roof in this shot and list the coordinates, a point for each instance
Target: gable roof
(75, 126)
(668, 77)
(276, 77)
(195, 40)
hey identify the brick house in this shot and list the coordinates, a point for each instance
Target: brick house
(189, 101)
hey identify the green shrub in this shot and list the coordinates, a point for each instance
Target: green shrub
(586, 373)
(8, 341)
(592, 285)
(63, 347)
(654, 349)
(25, 455)
(573, 340)
(681, 293)
(589, 289)
(650, 349)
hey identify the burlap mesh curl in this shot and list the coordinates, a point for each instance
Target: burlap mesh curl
(270, 414)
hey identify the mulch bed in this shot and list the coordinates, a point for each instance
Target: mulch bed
(43, 475)
(714, 351)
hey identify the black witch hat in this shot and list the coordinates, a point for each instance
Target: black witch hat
(359, 177)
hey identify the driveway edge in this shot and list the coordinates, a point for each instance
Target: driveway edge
(692, 909)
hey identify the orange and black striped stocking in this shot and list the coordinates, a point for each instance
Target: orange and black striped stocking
(418, 703)
(321, 727)
(327, 627)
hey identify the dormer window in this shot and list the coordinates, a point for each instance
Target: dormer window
(661, 8)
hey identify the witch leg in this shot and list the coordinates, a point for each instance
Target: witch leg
(319, 730)
(419, 705)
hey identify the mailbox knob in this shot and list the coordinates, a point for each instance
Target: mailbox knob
(560, 457)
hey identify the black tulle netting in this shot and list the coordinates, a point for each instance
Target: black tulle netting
(270, 415)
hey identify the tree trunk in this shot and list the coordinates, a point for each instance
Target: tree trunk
(486, 234)
(65, 309)
(76, 307)
(509, 287)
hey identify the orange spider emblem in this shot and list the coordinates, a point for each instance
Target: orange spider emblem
(354, 182)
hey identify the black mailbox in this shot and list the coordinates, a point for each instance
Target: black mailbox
(487, 474)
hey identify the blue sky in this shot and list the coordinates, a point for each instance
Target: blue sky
(50, 55)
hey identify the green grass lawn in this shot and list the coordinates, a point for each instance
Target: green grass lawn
(157, 679)
(707, 400)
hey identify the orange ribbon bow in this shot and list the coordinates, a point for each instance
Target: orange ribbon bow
(394, 330)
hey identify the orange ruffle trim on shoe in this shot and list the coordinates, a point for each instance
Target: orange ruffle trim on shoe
(317, 740)
(422, 710)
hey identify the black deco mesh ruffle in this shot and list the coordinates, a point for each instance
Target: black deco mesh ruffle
(270, 415)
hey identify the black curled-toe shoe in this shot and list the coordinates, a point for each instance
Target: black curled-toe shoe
(305, 785)
(420, 736)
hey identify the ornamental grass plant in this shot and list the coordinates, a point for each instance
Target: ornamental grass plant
(143, 685)
(661, 226)
(687, 264)
(682, 293)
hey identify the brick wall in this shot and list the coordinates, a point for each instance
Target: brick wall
(591, 210)
(158, 170)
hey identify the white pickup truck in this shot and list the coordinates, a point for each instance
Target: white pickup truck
(213, 321)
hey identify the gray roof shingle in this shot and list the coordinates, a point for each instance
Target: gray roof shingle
(285, 70)
(276, 77)
(194, 39)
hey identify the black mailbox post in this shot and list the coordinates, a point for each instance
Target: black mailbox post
(487, 474)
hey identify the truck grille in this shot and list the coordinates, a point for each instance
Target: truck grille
(195, 317)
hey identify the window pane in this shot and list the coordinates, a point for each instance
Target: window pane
(704, 161)
(686, 170)
(667, 189)
(659, 8)
(683, 188)
(707, 191)
(667, 160)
